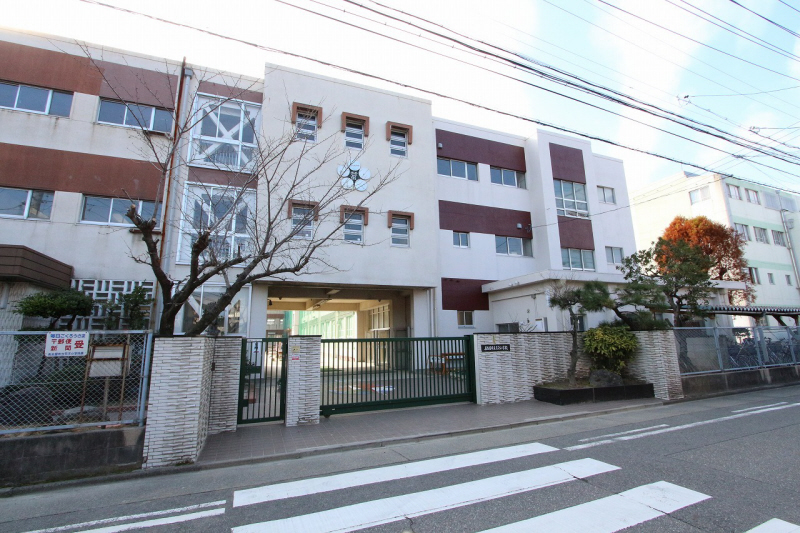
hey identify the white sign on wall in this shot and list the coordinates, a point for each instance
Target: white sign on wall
(66, 344)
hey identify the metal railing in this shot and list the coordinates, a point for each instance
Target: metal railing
(363, 374)
(262, 386)
(716, 349)
(107, 386)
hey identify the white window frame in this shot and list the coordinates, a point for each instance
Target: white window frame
(401, 231)
(398, 142)
(461, 239)
(699, 195)
(467, 166)
(353, 227)
(504, 173)
(306, 126)
(579, 208)
(603, 193)
(525, 246)
(576, 253)
(734, 192)
(47, 107)
(128, 112)
(27, 209)
(752, 196)
(303, 216)
(353, 133)
(752, 272)
(612, 252)
(205, 105)
(760, 234)
(742, 229)
(246, 294)
(779, 238)
(139, 204)
(465, 319)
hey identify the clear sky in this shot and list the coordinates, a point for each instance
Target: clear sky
(752, 86)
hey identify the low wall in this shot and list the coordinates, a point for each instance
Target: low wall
(67, 455)
(699, 385)
(656, 362)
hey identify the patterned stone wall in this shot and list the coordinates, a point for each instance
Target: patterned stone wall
(303, 394)
(656, 361)
(225, 384)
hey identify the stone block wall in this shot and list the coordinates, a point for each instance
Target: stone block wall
(656, 361)
(225, 384)
(303, 394)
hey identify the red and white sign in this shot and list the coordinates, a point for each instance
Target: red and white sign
(66, 344)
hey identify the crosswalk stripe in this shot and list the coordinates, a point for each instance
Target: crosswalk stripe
(612, 513)
(157, 522)
(387, 473)
(373, 513)
(776, 525)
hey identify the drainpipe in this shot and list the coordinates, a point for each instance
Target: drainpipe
(791, 249)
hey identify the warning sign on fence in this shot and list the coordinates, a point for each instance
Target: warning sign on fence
(66, 344)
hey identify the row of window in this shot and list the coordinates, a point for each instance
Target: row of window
(761, 235)
(303, 218)
(35, 99)
(771, 200)
(755, 278)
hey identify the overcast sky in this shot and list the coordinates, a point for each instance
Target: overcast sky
(587, 38)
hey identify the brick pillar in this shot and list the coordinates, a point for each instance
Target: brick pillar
(303, 395)
(656, 361)
(178, 406)
(225, 377)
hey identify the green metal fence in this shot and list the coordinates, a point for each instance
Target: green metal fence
(262, 387)
(367, 374)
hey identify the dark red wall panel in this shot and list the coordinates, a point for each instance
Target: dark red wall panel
(131, 84)
(221, 177)
(477, 150)
(482, 219)
(567, 163)
(47, 68)
(576, 233)
(464, 294)
(240, 92)
(43, 168)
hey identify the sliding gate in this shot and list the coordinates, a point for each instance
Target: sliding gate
(262, 383)
(367, 374)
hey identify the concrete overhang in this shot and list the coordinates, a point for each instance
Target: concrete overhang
(547, 276)
(20, 263)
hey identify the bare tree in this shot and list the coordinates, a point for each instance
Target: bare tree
(281, 203)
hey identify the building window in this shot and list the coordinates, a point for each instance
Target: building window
(699, 195)
(227, 213)
(460, 239)
(225, 133)
(508, 327)
(772, 201)
(779, 238)
(511, 178)
(574, 259)
(614, 255)
(25, 203)
(303, 221)
(231, 321)
(134, 115)
(379, 319)
(788, 279)
(752, 196)
(733, 192)
(761, 235)
(571, 199)
(743, 230)
(400, 231)
(354, 134)
(112, 211)
(465, 319)
(752, 273)
(457, 169)
(35, 99)
(398, 143)
(606, 195)
(513, 246)
(771, 278)
(306, 125)
(354, 228)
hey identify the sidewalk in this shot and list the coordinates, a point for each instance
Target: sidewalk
(376, 428)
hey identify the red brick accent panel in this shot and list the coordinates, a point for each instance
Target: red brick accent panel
(483, 219)
(567, 163)
(477, 150)
(228, 91)
(131, 84)
(26, 166)
(464, 294)
(48, 68)
(576, 233)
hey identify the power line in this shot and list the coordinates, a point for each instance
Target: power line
(784, 28)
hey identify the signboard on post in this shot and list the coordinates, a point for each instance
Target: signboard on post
(66, 344)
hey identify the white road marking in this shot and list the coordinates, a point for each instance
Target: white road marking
(759, 407)
(157, 522)
(373, 513)
(130, 517)
(776, 526)
(679, 428)
(387, 473)
(623, 433)
(612, 513)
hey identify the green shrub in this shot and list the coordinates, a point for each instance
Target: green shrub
(609, 347)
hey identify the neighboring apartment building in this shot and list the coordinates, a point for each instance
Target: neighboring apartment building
(468, 237)
(766, 217)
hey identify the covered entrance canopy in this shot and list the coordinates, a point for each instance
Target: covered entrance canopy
(755, 311)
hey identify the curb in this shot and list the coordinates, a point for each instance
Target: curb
(9, 492)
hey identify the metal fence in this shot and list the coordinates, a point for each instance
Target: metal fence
(364, 374)
(704, 350)
(262, 384)
(106, 386)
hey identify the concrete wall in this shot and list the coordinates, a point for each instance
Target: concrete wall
(303, 393)
(225, 376)
(656, 362)
(709, 384)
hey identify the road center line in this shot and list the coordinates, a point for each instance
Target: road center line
(305, 487)
(759, 407)
(623, 433)
(387, 510)
(679, 428)
(130, 517)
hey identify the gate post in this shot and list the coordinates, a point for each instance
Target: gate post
(225, 378)
(303, 391)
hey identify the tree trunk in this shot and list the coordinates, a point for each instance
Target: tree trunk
(573, 354)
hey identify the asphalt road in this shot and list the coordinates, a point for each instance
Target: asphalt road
(724, 464)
